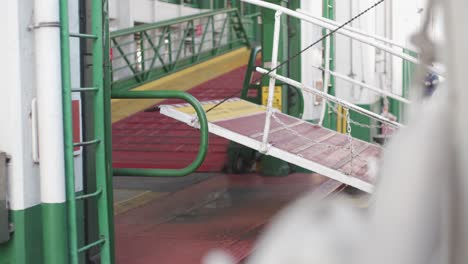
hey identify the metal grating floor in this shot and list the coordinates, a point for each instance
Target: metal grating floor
(296, 141)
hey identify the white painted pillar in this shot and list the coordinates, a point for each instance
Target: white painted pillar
(49, 95)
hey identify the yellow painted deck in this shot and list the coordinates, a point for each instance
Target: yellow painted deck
(182, 81)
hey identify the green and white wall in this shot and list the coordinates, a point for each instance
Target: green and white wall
(36, 188)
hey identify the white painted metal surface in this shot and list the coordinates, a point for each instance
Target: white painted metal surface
(49, 96)
(15, 104)
(271, 84)
(354, 30)
(350, 34)
(369, 87)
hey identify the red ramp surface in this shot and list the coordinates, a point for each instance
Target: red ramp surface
(151, 140)
(226, 212)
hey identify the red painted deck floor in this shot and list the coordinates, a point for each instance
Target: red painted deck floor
(151, 140)
(225, 211)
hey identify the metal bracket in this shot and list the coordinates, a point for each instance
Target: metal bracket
(4, 223)
(44, 24)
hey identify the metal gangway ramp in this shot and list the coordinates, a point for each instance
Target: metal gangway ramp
(337, 156)
(327, 152)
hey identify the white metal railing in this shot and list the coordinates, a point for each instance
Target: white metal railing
(355, 30)
(330, 97)
(365, 85)
(271, 86)
(347, 31)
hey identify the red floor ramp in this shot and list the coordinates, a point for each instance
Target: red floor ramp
(149, 140)
(310, 146)
(225, 212)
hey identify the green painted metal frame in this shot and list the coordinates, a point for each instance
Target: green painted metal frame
(101, 171)
(203, 121)
(108, 125)
(328, 11)
(157, 37)
(247, 85)
(295, 97)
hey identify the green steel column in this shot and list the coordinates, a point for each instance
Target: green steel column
(329, 12)
(68, 144)
(102, 173)
(108, 125)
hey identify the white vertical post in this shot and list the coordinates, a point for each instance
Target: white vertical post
(326, 77)
(49, 100)
(271, 86)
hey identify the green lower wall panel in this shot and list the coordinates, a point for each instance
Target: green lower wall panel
(54, 233)
(28, 240)
(25, 247)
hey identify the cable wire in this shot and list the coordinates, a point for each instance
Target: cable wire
(302, 51)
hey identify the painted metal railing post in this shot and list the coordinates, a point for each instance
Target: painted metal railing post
(192, 46)
(331, 98)
(142, 54)
(201, 119)
(100, 129)
(329, 81)
(271, 86)
(107, 81)
(358, 37)
(229, 17)
(213, 40)
(68, 133)
(100, 132)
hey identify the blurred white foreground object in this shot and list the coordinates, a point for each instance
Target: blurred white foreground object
(419, 211)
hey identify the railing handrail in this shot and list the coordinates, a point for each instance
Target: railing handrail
(149, 26)
(347, 33)
(203, 121)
